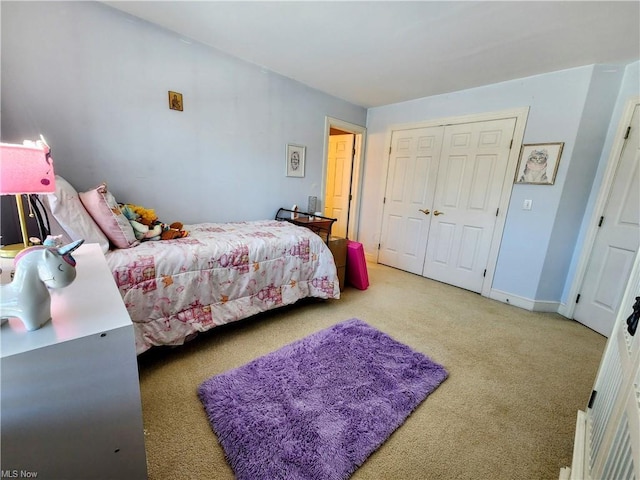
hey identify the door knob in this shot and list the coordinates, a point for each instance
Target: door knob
(425, 211)
(436, 213)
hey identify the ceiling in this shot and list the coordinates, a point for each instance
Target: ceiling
(374, 53)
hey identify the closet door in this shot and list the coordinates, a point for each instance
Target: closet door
(411, 182)
(472, 169)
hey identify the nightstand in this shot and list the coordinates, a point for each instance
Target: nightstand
(70, 393)
(317, 223)
(338, 247)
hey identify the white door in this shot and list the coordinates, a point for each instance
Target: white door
(338, 191)
(411, 180)
(616, 242)
(472, 170)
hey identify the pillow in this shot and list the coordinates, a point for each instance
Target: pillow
(57, 230)
(68, 213)
(104, 209)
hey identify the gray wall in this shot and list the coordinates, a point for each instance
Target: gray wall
(580, 171)
(94, 82)
(629, 88)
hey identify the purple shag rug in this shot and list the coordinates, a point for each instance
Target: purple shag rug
(317, 408)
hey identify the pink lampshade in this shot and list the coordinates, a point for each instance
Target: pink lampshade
(26, 169)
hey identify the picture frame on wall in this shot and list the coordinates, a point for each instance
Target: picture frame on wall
(175, 101)
(295, 160)
(538, 163)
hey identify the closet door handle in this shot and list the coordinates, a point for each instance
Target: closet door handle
(436, 213)
(425, 211)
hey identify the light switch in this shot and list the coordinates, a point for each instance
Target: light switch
(527, 204)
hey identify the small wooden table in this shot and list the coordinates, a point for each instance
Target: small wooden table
(317, 223)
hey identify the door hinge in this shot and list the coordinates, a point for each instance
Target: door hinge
(384, 200)
(592, 398)
(511, 144)
(626, 135)
(389, 150)
(379, 246)
(485, 273)
(350, 197)
(600, 222)
(578, 298)
(497, 210)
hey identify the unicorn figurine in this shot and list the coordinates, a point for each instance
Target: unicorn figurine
(37, 269)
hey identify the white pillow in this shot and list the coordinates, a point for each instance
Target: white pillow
(55, 228)
(67, 209)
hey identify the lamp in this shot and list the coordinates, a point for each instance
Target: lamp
(24, 169)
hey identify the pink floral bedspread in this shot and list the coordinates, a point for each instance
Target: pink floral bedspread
(220, 273)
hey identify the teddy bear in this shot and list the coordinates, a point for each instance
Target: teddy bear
(173, 231)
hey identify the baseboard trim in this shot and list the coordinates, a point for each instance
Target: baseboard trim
(526, 303)
(563, 310)
(548, 306)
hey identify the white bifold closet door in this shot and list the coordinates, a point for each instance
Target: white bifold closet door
(443, 190)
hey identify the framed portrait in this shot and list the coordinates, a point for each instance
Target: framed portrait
(538, 163)
(175, 101)
(295, 160)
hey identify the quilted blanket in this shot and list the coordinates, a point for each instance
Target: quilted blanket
(220, 273)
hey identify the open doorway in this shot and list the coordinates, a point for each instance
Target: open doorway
(342, 180)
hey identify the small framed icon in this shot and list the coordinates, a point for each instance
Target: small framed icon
(175, 101)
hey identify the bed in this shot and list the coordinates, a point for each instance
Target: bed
(219, 273)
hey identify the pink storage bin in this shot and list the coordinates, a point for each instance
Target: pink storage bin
(357, 275)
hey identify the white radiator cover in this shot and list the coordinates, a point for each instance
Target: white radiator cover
(607, 442)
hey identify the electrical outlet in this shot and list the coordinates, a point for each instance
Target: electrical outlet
(527, 204)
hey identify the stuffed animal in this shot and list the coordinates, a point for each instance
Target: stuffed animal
(146, 216)
(146, 225)
(173, 231)
(141, 230)
(144, 232)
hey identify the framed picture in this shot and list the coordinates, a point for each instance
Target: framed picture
(295, 160)
(538, 163)
(175, 101)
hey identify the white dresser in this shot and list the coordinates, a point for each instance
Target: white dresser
(70, 396)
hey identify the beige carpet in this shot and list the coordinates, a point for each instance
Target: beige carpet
(507, 410)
